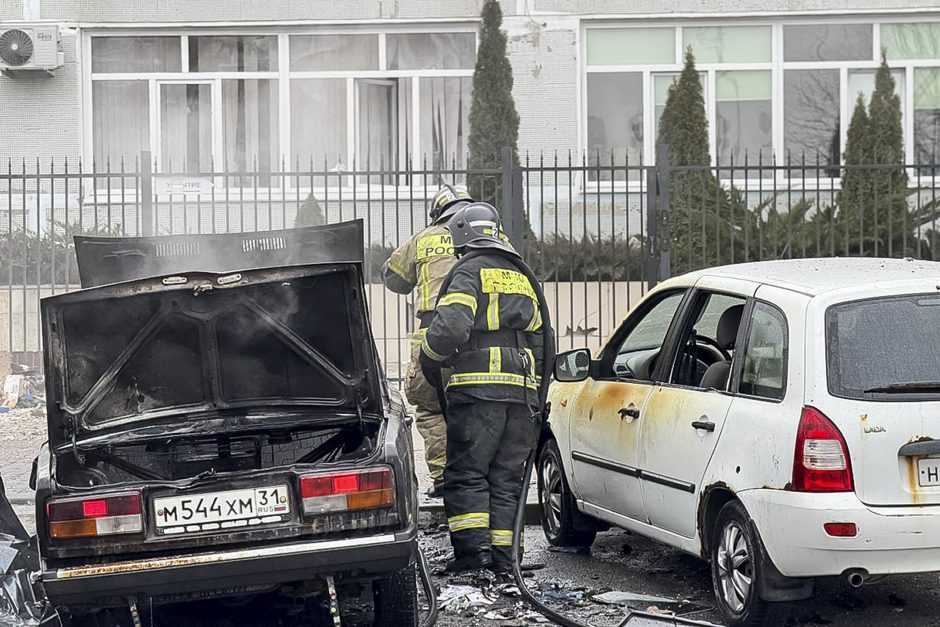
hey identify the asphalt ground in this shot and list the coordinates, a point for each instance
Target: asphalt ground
(649, 575)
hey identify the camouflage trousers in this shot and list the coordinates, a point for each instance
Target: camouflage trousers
(428, 417)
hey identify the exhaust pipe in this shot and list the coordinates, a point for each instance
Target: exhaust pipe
(857, 577)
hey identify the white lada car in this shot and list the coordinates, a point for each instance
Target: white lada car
(780, 419)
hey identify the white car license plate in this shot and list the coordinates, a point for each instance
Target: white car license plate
(928, 472)
(215, 510)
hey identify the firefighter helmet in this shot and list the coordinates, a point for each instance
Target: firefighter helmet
(446, 201)
(476, 225)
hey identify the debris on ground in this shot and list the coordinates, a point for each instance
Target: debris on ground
(457, 598)
(14, 386)
(619, 597)
(22, 599)
(652, 609)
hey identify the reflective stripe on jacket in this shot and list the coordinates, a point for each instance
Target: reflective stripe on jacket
(423, 262)
(488, 329)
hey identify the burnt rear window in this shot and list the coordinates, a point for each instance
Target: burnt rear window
(885, 348)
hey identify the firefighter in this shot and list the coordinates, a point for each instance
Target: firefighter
(487, 328)
(424, 261)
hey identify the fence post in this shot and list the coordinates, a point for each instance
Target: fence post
(659, 263)
(512, 210)
(146, 193)
(664, 185)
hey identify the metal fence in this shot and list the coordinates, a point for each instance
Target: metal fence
(586, 245)
(598, 229)
(753, 211)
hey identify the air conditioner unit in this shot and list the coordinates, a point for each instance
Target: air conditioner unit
(30, 47)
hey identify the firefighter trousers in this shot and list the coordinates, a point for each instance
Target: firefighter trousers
(428, 417)
(488, 443)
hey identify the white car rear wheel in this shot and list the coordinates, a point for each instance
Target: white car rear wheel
(736, 560)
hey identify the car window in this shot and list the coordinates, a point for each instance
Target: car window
(885, 348)
(707, 324)
(636, 355)
(703, 346)
(764, 371)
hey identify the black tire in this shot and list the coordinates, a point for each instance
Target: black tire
(557, 510)
(736, 558)
(396, 599)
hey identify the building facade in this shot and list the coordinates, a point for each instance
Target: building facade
(247, 85)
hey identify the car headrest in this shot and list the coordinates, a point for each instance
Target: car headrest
(728, 326)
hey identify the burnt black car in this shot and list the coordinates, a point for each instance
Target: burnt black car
(222, 433)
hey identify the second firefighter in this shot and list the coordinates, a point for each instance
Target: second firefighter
(488, 329)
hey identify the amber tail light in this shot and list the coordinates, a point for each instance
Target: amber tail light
(324, 493)
(93, 517)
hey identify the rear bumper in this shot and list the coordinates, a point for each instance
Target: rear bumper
(106, 584)
(892, 540)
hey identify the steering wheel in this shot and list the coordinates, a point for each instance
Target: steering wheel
(713, 344)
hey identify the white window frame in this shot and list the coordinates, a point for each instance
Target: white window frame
(283, 76)
(777, 66)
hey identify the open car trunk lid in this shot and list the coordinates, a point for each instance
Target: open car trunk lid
(883, 362)
(161, 351)
(104, 260)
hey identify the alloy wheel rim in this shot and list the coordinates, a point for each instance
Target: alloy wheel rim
(551, 494)
(735, 567)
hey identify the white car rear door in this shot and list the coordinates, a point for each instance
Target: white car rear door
(682, 420)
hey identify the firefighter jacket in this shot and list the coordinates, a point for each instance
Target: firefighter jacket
(423, 261)
(487, 329)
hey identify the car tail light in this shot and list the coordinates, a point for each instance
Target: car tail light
(372, 488)
(93, 517)
(841, 530)
(821, 461)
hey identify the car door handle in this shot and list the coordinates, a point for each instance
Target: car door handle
(707, 425)
(630, 411)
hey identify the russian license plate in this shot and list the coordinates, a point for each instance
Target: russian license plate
(221, 510)
(928, 472)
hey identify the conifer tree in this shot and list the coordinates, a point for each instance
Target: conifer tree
(309, 213)
(494, 122)
(874, 215)
(707, 224)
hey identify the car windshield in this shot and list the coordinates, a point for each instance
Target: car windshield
(885, 347)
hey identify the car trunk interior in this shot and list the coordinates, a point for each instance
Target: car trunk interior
(184, 457)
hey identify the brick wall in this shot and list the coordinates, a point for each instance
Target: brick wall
(254, 10)
(11, 10)
(263, 10)
(664, 7)
(544, 55)
(41, 114)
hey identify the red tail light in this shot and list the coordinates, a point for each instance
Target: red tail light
(821, 461)
(372, 488)
(89, 518)
(841, 530)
